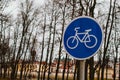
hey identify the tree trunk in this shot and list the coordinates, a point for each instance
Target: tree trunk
(92, 71)
(43, 40)
(48, 50)
(60, 44)
(68, 69)
(114, 72)
(75, 70)
(63, 74)
(119, 68)
(78, 69)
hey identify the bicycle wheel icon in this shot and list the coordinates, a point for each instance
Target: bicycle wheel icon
(90, 41)
(72, 42)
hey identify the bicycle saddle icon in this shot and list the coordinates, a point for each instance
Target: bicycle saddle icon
(89, 40)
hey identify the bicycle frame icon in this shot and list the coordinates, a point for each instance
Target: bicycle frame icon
(89, 41)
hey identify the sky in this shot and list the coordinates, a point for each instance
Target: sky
(13, 6)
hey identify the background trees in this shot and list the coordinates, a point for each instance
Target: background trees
(35, 34)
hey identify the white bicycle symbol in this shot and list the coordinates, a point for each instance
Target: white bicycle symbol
(87, 39)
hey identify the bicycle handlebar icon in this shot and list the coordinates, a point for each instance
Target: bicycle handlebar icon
(89, 41)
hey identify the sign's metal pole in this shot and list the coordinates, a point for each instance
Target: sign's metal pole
(82, 69)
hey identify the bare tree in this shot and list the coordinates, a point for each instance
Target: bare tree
(60, 43)
(107, 37)
(42, 48)
(26, 25)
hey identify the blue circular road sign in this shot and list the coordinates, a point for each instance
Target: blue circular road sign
(82, 38)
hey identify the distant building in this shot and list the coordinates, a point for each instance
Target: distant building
(69, 65)
(31, 66)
